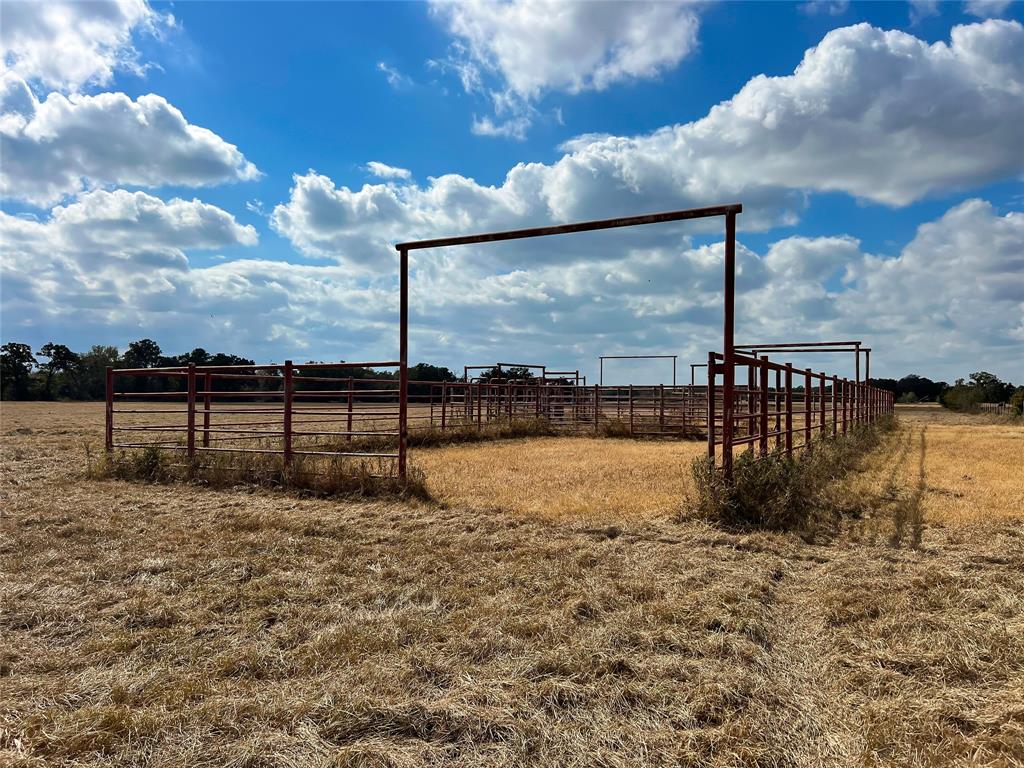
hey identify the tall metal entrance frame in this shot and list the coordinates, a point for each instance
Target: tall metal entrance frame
(729, 212)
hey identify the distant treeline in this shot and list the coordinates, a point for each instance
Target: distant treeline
(54, 372)
(963, 395)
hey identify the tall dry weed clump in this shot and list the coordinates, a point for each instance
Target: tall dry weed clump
(318, 475)
(781, 492)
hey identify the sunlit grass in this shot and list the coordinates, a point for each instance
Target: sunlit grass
(564, 477)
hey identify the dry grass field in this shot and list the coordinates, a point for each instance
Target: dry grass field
(556, 607)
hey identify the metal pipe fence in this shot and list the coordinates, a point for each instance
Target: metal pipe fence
(633, 410)
(781, 407)
(287, 410)
(315, 410)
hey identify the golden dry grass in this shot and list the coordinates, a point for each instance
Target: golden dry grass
(595, 479)
(178, 625)
(947, 468)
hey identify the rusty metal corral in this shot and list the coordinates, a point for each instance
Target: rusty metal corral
(789, 413)
(731, 414)
(288, 410)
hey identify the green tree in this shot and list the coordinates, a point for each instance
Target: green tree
(1017, 401)
(61, 360)
(517, 373)
(89, 376)
(144, 353)
(990, 387)
(16, 363)
(427, 372)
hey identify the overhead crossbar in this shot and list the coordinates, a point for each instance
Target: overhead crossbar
(565, 229)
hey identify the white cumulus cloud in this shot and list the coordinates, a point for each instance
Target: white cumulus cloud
(986, 8)
(531, 47)
(950, 301)
(385, 171)
(880, 115)
(66, 144)
(65, 45)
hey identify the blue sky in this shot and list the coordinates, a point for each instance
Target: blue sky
(881, 178)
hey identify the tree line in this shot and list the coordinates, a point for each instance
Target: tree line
(55, 372)
(963, 395)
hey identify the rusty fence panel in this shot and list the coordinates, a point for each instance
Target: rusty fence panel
(289, 410)
(760, 417)
(637, 410)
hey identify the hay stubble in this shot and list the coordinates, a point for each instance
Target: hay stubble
(178, 625)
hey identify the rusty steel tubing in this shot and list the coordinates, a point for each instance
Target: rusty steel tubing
(582, 226)
(109, 410)
(821, 404)
(207, 403)
(728, 334)
(289, 394)
(763, 406)
(191, 410)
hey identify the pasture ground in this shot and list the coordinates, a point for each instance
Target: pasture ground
(558, 607)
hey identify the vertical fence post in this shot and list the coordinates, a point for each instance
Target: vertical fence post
(597, 406)
(191, 418)
(808, 406)
(845, 386)
(789, 408)
(207, 405)
(289, 394)
(778, 408)
(661, 407)
(684, 404)
(631, 410)
(403, 362)
(729, 350)
(821, 403)
(763, 405)
(710, 406)
(752, 424)
(479, 406)
(351, 399)
(109, 431)
(835, 404)
(444, 403)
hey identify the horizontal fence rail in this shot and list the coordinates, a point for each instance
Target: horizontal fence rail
(781, 408)
(287, 410)
(315, 409)
(641, 411)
